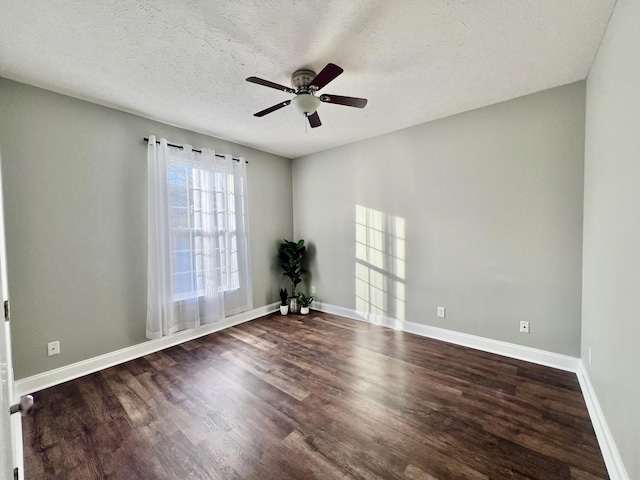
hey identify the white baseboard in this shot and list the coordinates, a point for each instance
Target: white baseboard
(75, 370)
(610, 453)
(528, 354)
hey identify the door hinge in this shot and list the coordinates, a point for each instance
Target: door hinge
(15, 473)
(6, 310)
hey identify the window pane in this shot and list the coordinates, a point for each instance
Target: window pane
(182, 283)
(177, 174)
(199, 260)
(179, 217)
(221, 220)
(220, 181)
(178, 196)
(223, 259)
(182, 261)
(181, 240)
(222, 241)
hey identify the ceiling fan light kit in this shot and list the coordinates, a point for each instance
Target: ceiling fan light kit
(305, 103)
(305, 84)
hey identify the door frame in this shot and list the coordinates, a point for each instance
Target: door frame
(15, 421)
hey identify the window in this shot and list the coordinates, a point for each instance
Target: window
(199, 266)
(189, 187)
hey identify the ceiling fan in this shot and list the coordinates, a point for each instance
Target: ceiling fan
(305, 84)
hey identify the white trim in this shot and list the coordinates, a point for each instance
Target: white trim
(610, 452)
(528, 354)
(18, 449)
(75, 370)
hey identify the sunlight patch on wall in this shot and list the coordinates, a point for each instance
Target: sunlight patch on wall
(380, 263)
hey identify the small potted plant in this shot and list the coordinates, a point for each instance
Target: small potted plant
(304, 302)
(284, 306)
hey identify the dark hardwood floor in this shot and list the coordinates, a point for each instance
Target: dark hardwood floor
(310, 397)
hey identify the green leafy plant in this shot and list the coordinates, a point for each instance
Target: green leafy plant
(291, 255)
(283, 297)
(304, 300)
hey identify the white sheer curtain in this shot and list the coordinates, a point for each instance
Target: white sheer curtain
(198, 238)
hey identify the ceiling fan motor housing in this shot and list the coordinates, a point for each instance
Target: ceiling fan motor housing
(301, 79)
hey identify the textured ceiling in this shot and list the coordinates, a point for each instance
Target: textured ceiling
(185, 62)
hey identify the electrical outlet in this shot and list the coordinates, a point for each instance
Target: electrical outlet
(589, 355)
(442, 312)
(313, 289)
(524, 327)
(53, 348)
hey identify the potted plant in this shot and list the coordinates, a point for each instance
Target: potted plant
(284, 306)
(304, 302)
(290, 255)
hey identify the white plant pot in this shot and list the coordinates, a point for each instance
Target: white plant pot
(304, 310)
(284, 309)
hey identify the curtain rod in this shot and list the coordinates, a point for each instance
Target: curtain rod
(193, 149)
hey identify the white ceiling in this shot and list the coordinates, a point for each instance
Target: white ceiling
(185, 62)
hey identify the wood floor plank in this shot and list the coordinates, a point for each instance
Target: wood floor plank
(273, 376)
(314, 397)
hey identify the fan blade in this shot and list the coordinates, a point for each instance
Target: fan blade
(277, 106)
(348, 101)
(267, 83)
(314, 120)
(328, 74)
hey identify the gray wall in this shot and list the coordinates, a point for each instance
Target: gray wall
(75, 204)
(611, 278)
(482, 214)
